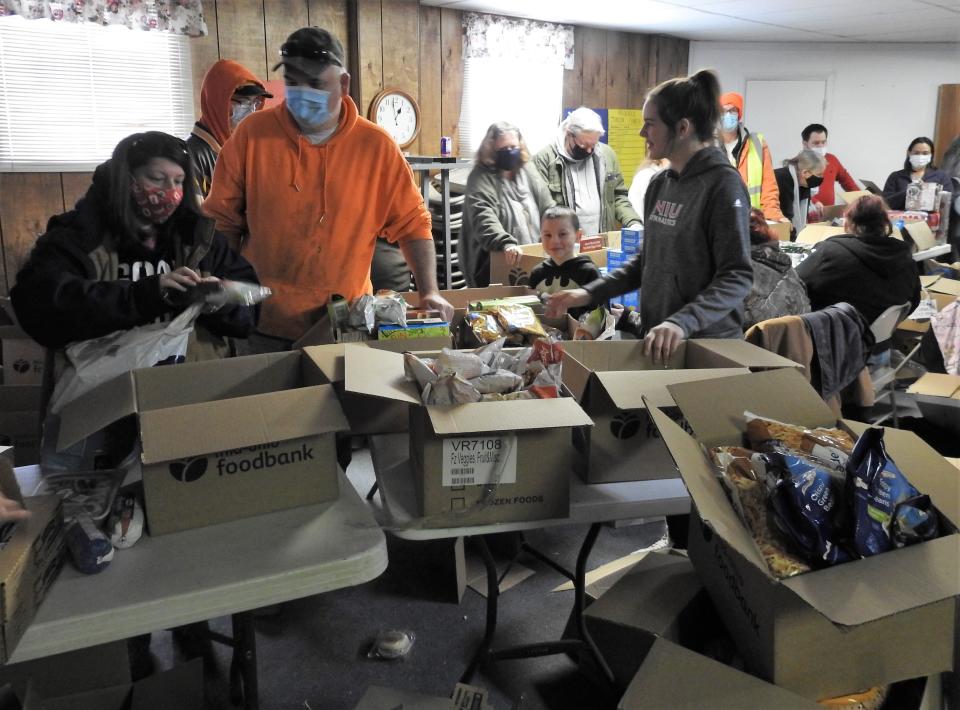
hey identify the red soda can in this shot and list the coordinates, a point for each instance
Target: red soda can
(446, 146)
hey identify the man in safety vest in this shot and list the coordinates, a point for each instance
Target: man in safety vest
(749, 154)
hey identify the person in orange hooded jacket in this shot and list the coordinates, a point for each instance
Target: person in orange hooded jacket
(742, 148)
(229, 94)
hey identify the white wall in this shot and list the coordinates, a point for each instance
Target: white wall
(879, 96)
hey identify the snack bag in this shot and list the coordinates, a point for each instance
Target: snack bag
(515, 318)
(806, 506)
(888, 512)
(483, 326)
(830, 446)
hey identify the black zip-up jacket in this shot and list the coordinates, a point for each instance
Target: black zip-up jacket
(870, 273)
(694, 270)
(69, 288)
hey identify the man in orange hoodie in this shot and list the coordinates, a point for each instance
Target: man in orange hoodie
(749, 154)
(229, 94)
(307, 187)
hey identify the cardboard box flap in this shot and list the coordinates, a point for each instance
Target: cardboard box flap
(636, 389)
(91, 412)
(883, 585)
(813, 233)
(920, 232)
(704, 488)
(329, 358)
(377, 373)
(522, 414)
(621, 355)
(937, 385)
(746, 354)
(674, 677)
(180, 432)
(928, 281)
(714, 408)
(946, 286)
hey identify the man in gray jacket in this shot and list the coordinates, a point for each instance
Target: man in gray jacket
(584, 174)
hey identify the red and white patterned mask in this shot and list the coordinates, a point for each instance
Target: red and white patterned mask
(155, 203)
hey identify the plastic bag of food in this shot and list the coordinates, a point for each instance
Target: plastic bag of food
(484, 327)
(871, 699)
(390, 308)
(419, 370)
(598, 324)
(236, 293)
(829, 445)
(515, 318)
(888, 511)
(466, 365)
(491, 352)
(362, 315)
(806, 501)
(498, 382)
(509, 396)
(514, 362)
(450, 389)
(748, 493)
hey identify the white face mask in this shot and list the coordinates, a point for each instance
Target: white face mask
(820, 150)
(920, 161)
(238, 112)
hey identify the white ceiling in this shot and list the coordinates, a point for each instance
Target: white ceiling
(746, 20)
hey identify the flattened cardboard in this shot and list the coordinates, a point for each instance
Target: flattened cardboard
(674, 677)
(645, 604)
(883, 619)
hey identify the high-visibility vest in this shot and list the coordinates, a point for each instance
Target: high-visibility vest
(755, 168)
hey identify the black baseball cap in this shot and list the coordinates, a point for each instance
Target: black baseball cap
(252, 90)
(311, 46)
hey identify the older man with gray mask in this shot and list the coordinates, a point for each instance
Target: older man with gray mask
(584, 174)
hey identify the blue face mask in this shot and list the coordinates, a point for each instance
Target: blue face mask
(730, 121)
(310, 107)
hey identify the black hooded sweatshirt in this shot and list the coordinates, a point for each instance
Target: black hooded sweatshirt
(870, 273)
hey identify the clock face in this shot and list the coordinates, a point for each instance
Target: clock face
(398, 116)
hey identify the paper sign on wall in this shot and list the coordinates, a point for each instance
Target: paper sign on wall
(479, 460)
(624, 138)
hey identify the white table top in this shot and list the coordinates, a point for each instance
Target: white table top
(589, 503)
(171, 580)
(938, 250)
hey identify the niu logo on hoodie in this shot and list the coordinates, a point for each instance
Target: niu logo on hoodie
(666, 212)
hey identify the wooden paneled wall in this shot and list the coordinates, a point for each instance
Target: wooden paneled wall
(394, 43)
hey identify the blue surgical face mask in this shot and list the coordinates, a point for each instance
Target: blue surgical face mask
(310, 107)
(729, 121)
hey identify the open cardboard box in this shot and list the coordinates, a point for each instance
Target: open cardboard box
(938, 397)
(942, 290)
(533, 254)
(611, 380)
(674, 677)
(223, 439)
(480, 463)
(780, 230)
(30, 558)
(869, 622)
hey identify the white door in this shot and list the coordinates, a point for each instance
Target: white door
(780, 109)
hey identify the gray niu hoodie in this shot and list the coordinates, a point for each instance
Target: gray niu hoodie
(694, 269)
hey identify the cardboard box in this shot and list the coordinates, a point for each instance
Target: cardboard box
(611, 380)
(223, 439)
(780, 230)
(533, 254)
(854, 195)
(938, 397)
(22, 358)
(832, 212)
(71, 672)
(30, 559)
(181, 687)
(676, 678)
(869, 622)
(20, 421)
(817, 232)
(480, 463)
(940, 289)
(658, 598)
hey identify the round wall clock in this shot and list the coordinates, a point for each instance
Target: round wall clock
(397, 112)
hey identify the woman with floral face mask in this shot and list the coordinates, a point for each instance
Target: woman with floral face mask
(502, 204)
(918, 167)
(130, 253)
